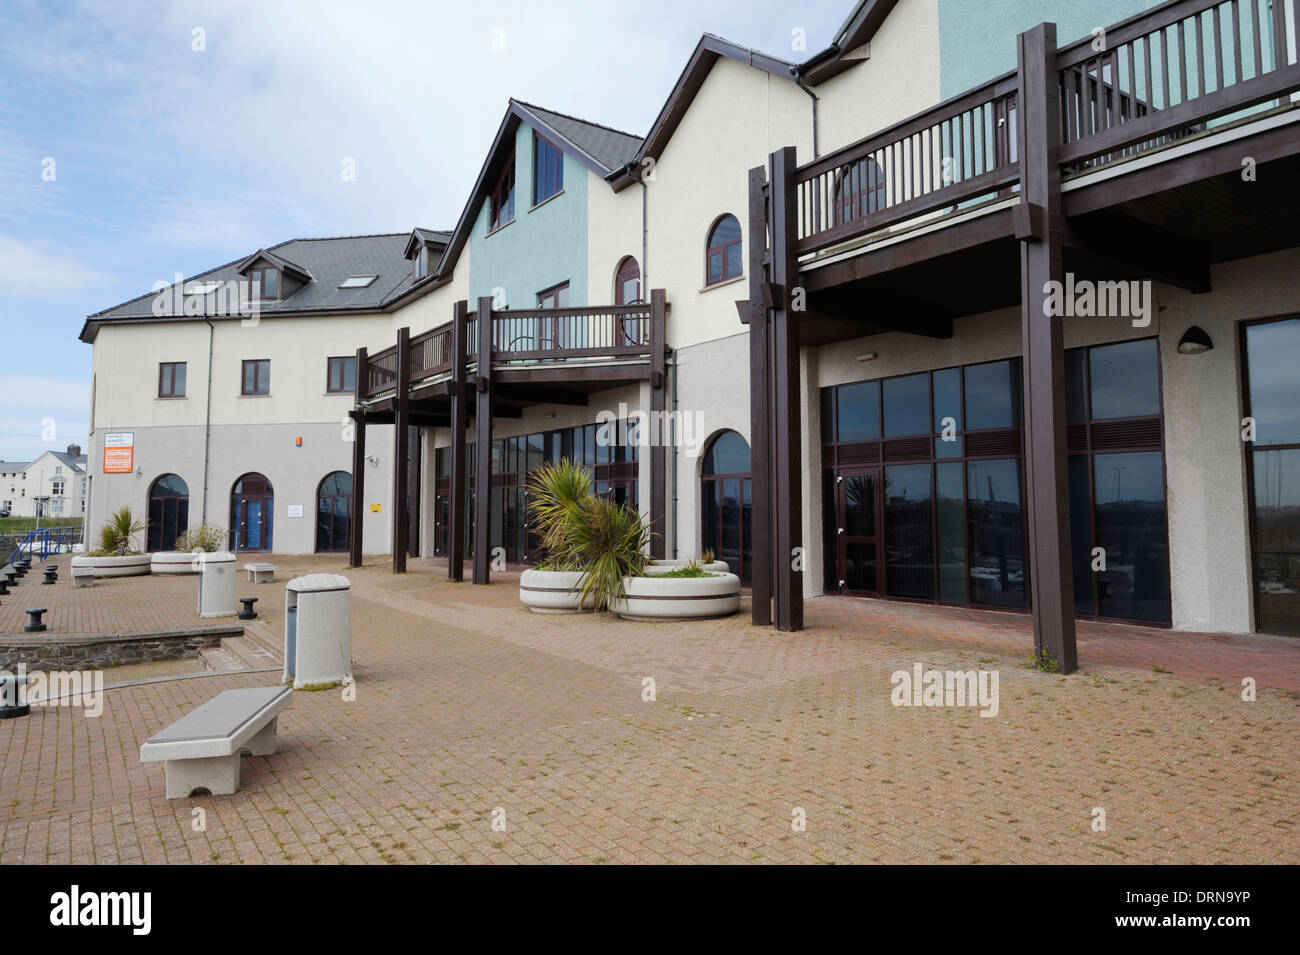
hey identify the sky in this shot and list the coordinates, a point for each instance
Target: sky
(138, 140)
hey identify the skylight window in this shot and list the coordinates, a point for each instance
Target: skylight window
(202, 288)
(357, 281)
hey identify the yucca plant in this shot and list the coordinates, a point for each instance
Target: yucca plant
(119, 535)
(610, 541)
(207, 538)
(555, 496)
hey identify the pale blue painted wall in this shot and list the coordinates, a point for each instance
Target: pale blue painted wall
(543, 247)
(977, 38)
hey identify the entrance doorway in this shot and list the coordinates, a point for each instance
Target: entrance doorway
(252, 503)
(857, 532)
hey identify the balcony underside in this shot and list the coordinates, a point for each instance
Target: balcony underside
(1167, 220)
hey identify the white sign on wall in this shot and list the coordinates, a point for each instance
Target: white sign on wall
(295, 510)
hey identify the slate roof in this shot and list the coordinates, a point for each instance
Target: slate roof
(329, 261)
(612, 148)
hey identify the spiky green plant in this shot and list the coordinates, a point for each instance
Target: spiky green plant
(119, 535)
(555, 496)
(610, 541)
(207, 538)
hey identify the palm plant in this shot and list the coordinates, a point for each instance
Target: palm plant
(611, 540)
(556, 494)
(119, 535)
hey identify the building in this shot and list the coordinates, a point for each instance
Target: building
(54, 485)
(967, 309)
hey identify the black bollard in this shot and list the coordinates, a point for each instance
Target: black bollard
(10, 697)
(4, 588)
(35, 625)
(248, 613)
(49, 578)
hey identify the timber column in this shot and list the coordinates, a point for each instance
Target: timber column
(401, 451)
(459, 421)
(1039, 229)
(658, 432)
(754, 314)
(483, 443)
(358, 416)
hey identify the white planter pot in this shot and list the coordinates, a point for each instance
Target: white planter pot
(679, 598)
(551, 591)
(132, 565)
(173, 562)
(667, 566)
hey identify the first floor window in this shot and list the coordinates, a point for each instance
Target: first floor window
(723, 259)
(56, 487)
(264, 284)
(257, 377)
(342, 375)
(171, 379)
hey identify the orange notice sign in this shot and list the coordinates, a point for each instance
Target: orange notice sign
(119, 452)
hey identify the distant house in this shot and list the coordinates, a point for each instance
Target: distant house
(53, 485)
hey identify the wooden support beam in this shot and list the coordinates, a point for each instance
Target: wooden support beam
(759, 425)
(783, 345)
(459, 421)
(540, 395)
(358, 416)
(1042, 261)
(658, 405)
(1127, 247)
(483, 445)
(401, 451)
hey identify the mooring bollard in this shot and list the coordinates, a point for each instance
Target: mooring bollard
(35, 625)
(11, 703)
(50, 576)
(11, 578)
(248, 613)
(4, 588)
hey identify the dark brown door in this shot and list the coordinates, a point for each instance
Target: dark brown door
(857, 547)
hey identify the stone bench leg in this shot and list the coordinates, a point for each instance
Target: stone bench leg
(264, 743)
(219, 775)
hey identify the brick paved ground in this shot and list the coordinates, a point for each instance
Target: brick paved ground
(467, 703)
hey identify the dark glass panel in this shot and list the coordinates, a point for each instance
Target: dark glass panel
(727, 230)
(948, 449)
(992, 396)
(1272, 352)
(860, 567)
(859, 505)
(746, 523)
(997, 533)
(1081, 533)
(950, 499)
(729, 454)
(828, 416)
(1076, 385)
(909, 530)
(830, 523)
(947, 398)
(1125, 379)
(1277, 539)
(730, 551)
(859, 411)
(907, 405)
(1130, 515)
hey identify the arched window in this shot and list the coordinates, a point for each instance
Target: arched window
(627, 282)
(252, 506)
(724, 256)
(169, 512)
(334, 511)
(860, 191)
(726, 496)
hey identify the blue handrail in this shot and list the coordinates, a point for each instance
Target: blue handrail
(41, 543)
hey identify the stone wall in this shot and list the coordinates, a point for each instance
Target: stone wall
(48, 651)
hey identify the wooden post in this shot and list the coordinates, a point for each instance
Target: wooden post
(459, 419)
(787, 472)
(358, 415)
(401, 451)
(658, 432)
(760, 434)
(483, 445)
(1041, 261)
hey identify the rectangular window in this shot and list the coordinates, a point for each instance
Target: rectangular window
(1129, 505)
(909, 531)
(341, 375)
(264, 284)
(256, 377)
(501, 208)
(171, 379)
(556, 297)
(56, 487)
(997, 533)
(548, 170)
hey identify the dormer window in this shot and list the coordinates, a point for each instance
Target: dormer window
(263, 284)
(502, 203)
(422, 262)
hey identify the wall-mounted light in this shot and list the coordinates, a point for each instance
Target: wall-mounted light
(549, 415)
(139, 472)
(1194, 341)
(374, 461)
(867, 356)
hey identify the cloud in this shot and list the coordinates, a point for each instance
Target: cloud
(27, 271)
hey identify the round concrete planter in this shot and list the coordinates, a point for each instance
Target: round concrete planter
(668, 566)
(552, 591)
(131, 565)
(679, 598)
(173, 562)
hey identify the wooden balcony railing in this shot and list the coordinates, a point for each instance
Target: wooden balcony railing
(1149, 80)
(525, 336)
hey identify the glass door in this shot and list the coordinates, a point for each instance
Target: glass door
(857, 536)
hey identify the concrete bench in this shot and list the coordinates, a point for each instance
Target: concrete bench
(83, 576)
(261, 573)
(201, 749)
